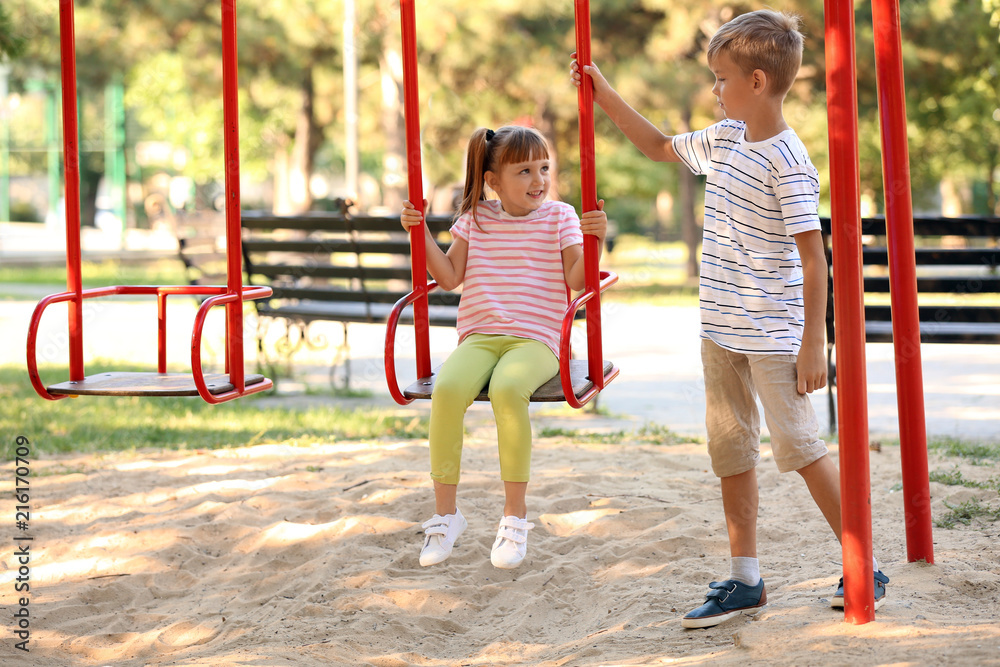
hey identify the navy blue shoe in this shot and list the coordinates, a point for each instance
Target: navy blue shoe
(837, 602)
(725, 600)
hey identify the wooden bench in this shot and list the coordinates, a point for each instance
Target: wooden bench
(201, 241)
(333, 266)
(958, 284)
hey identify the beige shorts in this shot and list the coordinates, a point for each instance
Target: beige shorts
(733, 381)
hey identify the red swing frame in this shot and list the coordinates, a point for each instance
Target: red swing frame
(213, 388)
(598, 372)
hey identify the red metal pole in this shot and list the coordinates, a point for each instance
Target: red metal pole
(414, 175)
(234, 243)
(161, 332)
(588, 191)
(852, 396)
(71, 160)
(903, 280)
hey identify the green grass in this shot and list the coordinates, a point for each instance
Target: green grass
(967, 513)
(100, 274)
(89, 424)
(977, 452)
(650, 273)
(954, 477)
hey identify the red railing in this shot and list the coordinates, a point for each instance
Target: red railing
(217, 294)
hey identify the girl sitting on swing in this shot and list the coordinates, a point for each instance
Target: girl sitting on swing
(515, 255)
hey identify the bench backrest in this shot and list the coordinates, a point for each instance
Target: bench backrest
(331, 256)
(958, 277)
(201, 241)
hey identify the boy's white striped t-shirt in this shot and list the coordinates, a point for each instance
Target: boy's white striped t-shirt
(514, 281)
(758, 196)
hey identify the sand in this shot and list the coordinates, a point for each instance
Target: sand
(278, 555)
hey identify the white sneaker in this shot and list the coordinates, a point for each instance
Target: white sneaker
(511, 544)
(441, 533)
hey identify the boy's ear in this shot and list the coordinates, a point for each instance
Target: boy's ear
(759, 80)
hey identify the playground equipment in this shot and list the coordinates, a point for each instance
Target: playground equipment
(578, 380)
(848, 285)
(853, 414)
(213, 388)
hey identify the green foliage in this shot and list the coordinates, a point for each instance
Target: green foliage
(650, 273)
(12, 42)
(495, 63)
(99, 274)
(90, 424)
(966, 513)
(954, 477)
(977, 451)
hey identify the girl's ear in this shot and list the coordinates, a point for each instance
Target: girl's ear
(491, 180)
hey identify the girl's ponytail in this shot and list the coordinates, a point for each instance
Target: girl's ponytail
(475, 173)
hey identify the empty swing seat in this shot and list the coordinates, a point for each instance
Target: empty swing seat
(147, 384)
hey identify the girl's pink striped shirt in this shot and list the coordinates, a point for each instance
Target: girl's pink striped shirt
(514, 281)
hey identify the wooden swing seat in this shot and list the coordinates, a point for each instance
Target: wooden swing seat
(550, 392)
(147, 384)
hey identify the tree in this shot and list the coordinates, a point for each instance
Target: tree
(12, 42)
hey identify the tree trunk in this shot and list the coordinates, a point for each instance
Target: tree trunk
(282, 167)
(689, 224)
(991, 194)
(394, 159)
(308, 137)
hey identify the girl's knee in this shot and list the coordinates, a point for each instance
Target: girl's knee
(508, 392)
(451, 392)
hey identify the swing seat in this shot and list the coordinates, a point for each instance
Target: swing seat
(212, 387)
(148, 384)
(550, 392)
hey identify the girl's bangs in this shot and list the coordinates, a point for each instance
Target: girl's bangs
(525, 146)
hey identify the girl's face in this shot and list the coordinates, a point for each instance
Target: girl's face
(734, 89)
(521, 186)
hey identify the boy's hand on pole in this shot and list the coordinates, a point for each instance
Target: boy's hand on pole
(601, 84)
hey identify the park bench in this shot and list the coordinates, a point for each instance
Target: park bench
(958, 284)
(333, 266)
(201, 241)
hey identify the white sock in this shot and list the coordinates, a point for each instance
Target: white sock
(874, 564)
(745, 570)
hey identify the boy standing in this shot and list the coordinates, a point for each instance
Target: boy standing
(762, 290)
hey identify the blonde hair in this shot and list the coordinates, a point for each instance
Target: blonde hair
(508, 145)
(766, 40)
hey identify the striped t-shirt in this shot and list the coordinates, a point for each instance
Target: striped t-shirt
(514, 281)
(757, 197)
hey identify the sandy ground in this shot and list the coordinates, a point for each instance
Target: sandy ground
(271, 555)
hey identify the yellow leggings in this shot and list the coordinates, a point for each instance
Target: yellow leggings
(515, 368)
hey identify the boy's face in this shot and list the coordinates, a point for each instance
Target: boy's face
(735, 90)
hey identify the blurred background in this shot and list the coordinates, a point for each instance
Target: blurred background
(321, 105)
